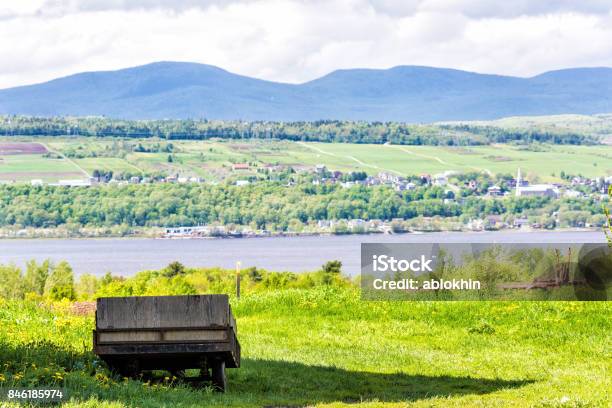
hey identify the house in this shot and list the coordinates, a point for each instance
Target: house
(274, 168)
(324, 224)
(520, 222)
(356, 224)
(494, 191)
(72, 183)
(372, 181)
(375, 224)
(241, 166)
(476, 225)
(440, 180)
(494, 222)
(425, 179)
(320, 169)
(36, 182)
(572, 194)
(240, 183)
(386, 177)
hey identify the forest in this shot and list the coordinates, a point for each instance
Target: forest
(271, 206)
(317, 131)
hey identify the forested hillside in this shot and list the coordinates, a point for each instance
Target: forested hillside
(321, 131)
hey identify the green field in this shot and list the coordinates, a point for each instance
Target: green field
(25, 167)
(326, 347)
(586, 160)
(213, 160)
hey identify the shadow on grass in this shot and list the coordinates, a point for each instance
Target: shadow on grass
(258, 383)
(297, 383)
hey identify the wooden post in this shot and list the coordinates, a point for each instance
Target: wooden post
(238, 264)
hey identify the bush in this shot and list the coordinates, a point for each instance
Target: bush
(60, 282)
(60, 292)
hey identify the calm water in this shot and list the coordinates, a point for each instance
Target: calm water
(128, 256)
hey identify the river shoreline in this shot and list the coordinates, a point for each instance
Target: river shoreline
(127, 256)
(157, 234)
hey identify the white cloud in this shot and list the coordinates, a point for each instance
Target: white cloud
(298, 40)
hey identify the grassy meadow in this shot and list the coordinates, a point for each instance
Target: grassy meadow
(326, 347)
(25, 167)
(213, 159)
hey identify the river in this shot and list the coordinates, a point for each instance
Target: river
(128, 256)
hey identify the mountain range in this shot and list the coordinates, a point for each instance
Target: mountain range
(181, 90)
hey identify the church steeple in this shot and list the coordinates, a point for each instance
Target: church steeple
(518, 182)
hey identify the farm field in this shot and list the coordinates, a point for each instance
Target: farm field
(25, 166)
(325, 347)
(213, 160)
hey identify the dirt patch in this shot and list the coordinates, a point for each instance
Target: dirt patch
(499, 158)
(83, 308)
(242, 146)
(10, 148)
(460, 150)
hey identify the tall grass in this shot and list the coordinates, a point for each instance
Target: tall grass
(324, 346)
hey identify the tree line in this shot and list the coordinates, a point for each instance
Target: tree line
(54, 282)
(273, 205)
(317, 131)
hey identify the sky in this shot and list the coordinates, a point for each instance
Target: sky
(299, 40)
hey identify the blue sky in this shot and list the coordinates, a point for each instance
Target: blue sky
(299, 40)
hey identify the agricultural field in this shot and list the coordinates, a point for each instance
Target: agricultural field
(213, 160)
(325, 347)
(589, 161)
(24, 161)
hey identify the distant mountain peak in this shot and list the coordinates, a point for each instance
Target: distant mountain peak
(407, 93)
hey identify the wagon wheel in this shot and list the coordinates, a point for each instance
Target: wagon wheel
(179, 374)
(219, 381)
(130, 368)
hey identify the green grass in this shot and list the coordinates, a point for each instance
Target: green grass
(36, 166)
(326, 347)
(587, 160)
(106, 163)
(213, 159)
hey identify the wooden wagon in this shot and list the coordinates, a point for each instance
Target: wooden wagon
(172, 333)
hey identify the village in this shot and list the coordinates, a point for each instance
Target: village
(575, 188)
(243, 174)
(456, 188)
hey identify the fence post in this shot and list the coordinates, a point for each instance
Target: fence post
(238, 264)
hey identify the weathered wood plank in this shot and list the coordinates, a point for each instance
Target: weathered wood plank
(142, 312)
(129, 336)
